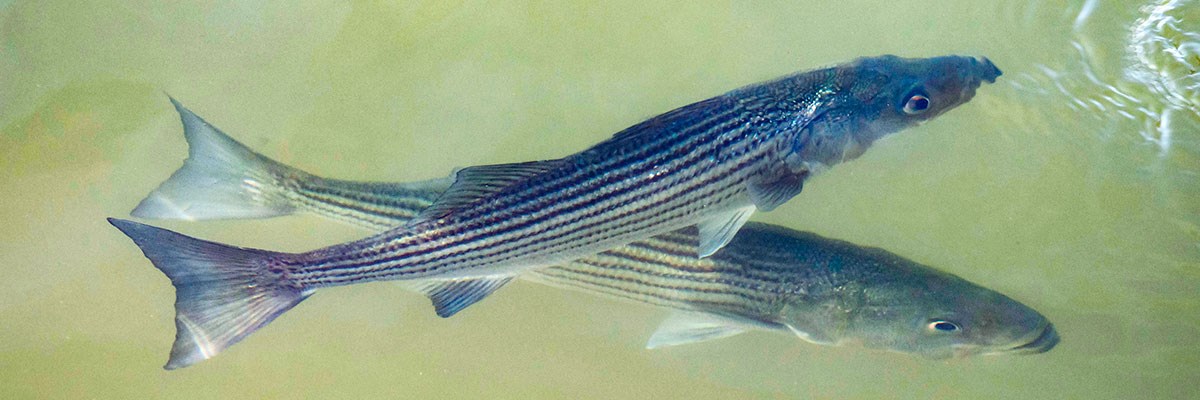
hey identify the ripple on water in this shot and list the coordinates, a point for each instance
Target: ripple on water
(1158, 83)
(1164, 47)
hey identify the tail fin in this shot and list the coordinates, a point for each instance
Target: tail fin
(222, 293)
(220, 179)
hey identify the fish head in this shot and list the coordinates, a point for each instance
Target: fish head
(869, 98)
(939, 315)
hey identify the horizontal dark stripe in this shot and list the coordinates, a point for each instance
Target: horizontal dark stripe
(672, 167)
(685, 269)
(707, 299)
(556, 208)
(451, 257)
(631, 225)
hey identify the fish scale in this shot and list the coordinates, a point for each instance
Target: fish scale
(353, 262)
(358, 261)
(563, 203)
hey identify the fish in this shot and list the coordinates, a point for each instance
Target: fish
(769, 278)
(710, 164)
(824, 291)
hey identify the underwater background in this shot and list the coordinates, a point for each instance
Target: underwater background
(1071, 185)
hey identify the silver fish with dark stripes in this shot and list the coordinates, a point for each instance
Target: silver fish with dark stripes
(709, 164)
(824, 291)
(768, 278)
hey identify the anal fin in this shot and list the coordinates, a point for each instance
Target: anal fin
(451, 296)
(716, 232)
(684, 328)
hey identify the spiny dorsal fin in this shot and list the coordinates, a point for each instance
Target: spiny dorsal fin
(684, 328)
(473, 183)
(717, 231)
(450, 297)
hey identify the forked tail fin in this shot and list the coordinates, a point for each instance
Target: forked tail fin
(222, 293)
(221, 179)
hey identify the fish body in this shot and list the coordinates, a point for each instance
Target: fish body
(710, 164)
(823, 290)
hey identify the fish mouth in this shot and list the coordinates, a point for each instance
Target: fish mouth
(985, 69)
(980, 70)
(1040, 344)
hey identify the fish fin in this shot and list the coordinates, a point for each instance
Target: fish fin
(813, 321)
(472, 183)
(221, 178)
(673, 120)
(450, 297)
(684, 328)
(768, 195)
(811, 335)
(716, 232)
(222, 293)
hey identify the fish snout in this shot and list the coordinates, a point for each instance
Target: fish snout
(1046, 340)
(985, 69)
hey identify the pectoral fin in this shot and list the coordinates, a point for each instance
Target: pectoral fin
(450, 297)
(770, 194)
(811, 336)
(814, 321)
(684, 328)
(716, 232)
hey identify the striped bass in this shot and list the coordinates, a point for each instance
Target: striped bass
(771, 278)
(709, 164)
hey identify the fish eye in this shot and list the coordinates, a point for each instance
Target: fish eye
(943, 326)
(917, 103)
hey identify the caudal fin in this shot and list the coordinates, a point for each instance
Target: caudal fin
(222, 293)
(221, 179)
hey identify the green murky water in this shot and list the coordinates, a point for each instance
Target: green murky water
(1072, 185)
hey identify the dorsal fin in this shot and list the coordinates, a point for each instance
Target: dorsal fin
(450, 297)
(472, 183)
